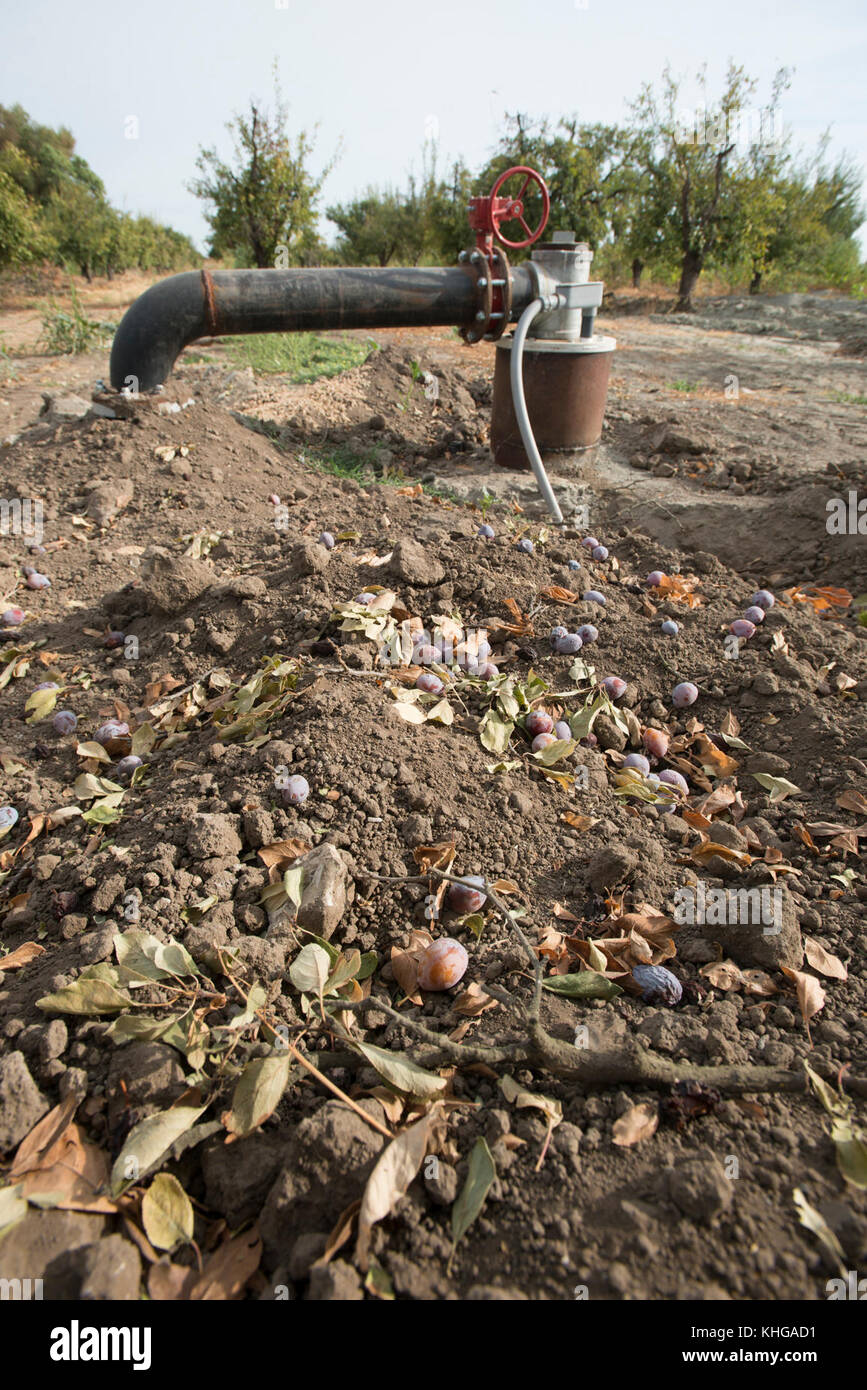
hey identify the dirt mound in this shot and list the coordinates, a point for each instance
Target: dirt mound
(190, 607)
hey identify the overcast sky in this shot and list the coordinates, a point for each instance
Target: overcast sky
(379, 76)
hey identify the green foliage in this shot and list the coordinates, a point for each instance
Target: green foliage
(264, 205)
(22, 240)
(71, 331)
(53, 207)
(302, 357)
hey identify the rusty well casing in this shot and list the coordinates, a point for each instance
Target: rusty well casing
(565, 385)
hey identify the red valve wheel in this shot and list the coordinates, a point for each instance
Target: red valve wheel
(510, 209)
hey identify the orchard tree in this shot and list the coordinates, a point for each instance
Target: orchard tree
(22, 237)
(267, 197)
(371, 227)
(692, 161)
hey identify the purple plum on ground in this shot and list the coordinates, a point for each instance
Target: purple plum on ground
(8, 817)
(64, 721)
(296, 791)
(428, 682)
(684, 694)
(487, 531)
(673, 778)
(273, 499)
(658, 985)
(655, 578)
(127, 766)
(574, 564)
(742, 627)
(614, 687)
(526, 546)
(556, 633)
(763, 599)
(588, 633)
(670, 628)
(570, 644)
(13, 616)
(467, 896)
(599, 552)
(488, 671)
(638, 761)
(115, 728)
(594, 596)
(562, 730)
(443, 964)
(114, 639)
(47, 685)
(755, 614)
(327, 540)
(424, 655)
(365, 598)
(538, 721)
(590, 542)
(35, 580)
(542, 741)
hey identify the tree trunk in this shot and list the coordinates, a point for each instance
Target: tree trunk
(637, 268)
(756, 282)
(85, 270)
(690, 270)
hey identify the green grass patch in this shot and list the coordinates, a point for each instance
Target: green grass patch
(364, 467)
(683, 385)
(303, 357)
(847, 398)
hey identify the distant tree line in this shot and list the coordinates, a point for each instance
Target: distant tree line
(670, 192)
(53, 208)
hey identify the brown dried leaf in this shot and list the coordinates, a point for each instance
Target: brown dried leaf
(852, 800)
(229, 1268)
(811, 996)
(824, 961)
(23, 956)
(437, 856)
(473, 1001)
(283, 852)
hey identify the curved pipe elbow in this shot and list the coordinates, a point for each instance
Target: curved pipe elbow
(156, 329)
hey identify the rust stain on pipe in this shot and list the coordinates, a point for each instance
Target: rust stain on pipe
(211, 320)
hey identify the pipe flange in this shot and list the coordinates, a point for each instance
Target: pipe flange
(477, 264)
(501, 283)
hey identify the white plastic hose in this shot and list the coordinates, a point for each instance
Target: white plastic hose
(517, 376)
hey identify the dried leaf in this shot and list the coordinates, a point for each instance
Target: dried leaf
(817, 956)
(257, 1093)
(779, 787)
(393, 1172)
(811, 996)
(229, 1268)
(401, 1073)
(167, 1213)
(23, 956)
(149, 1141)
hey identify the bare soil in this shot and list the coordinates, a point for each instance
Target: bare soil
(727, 484)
